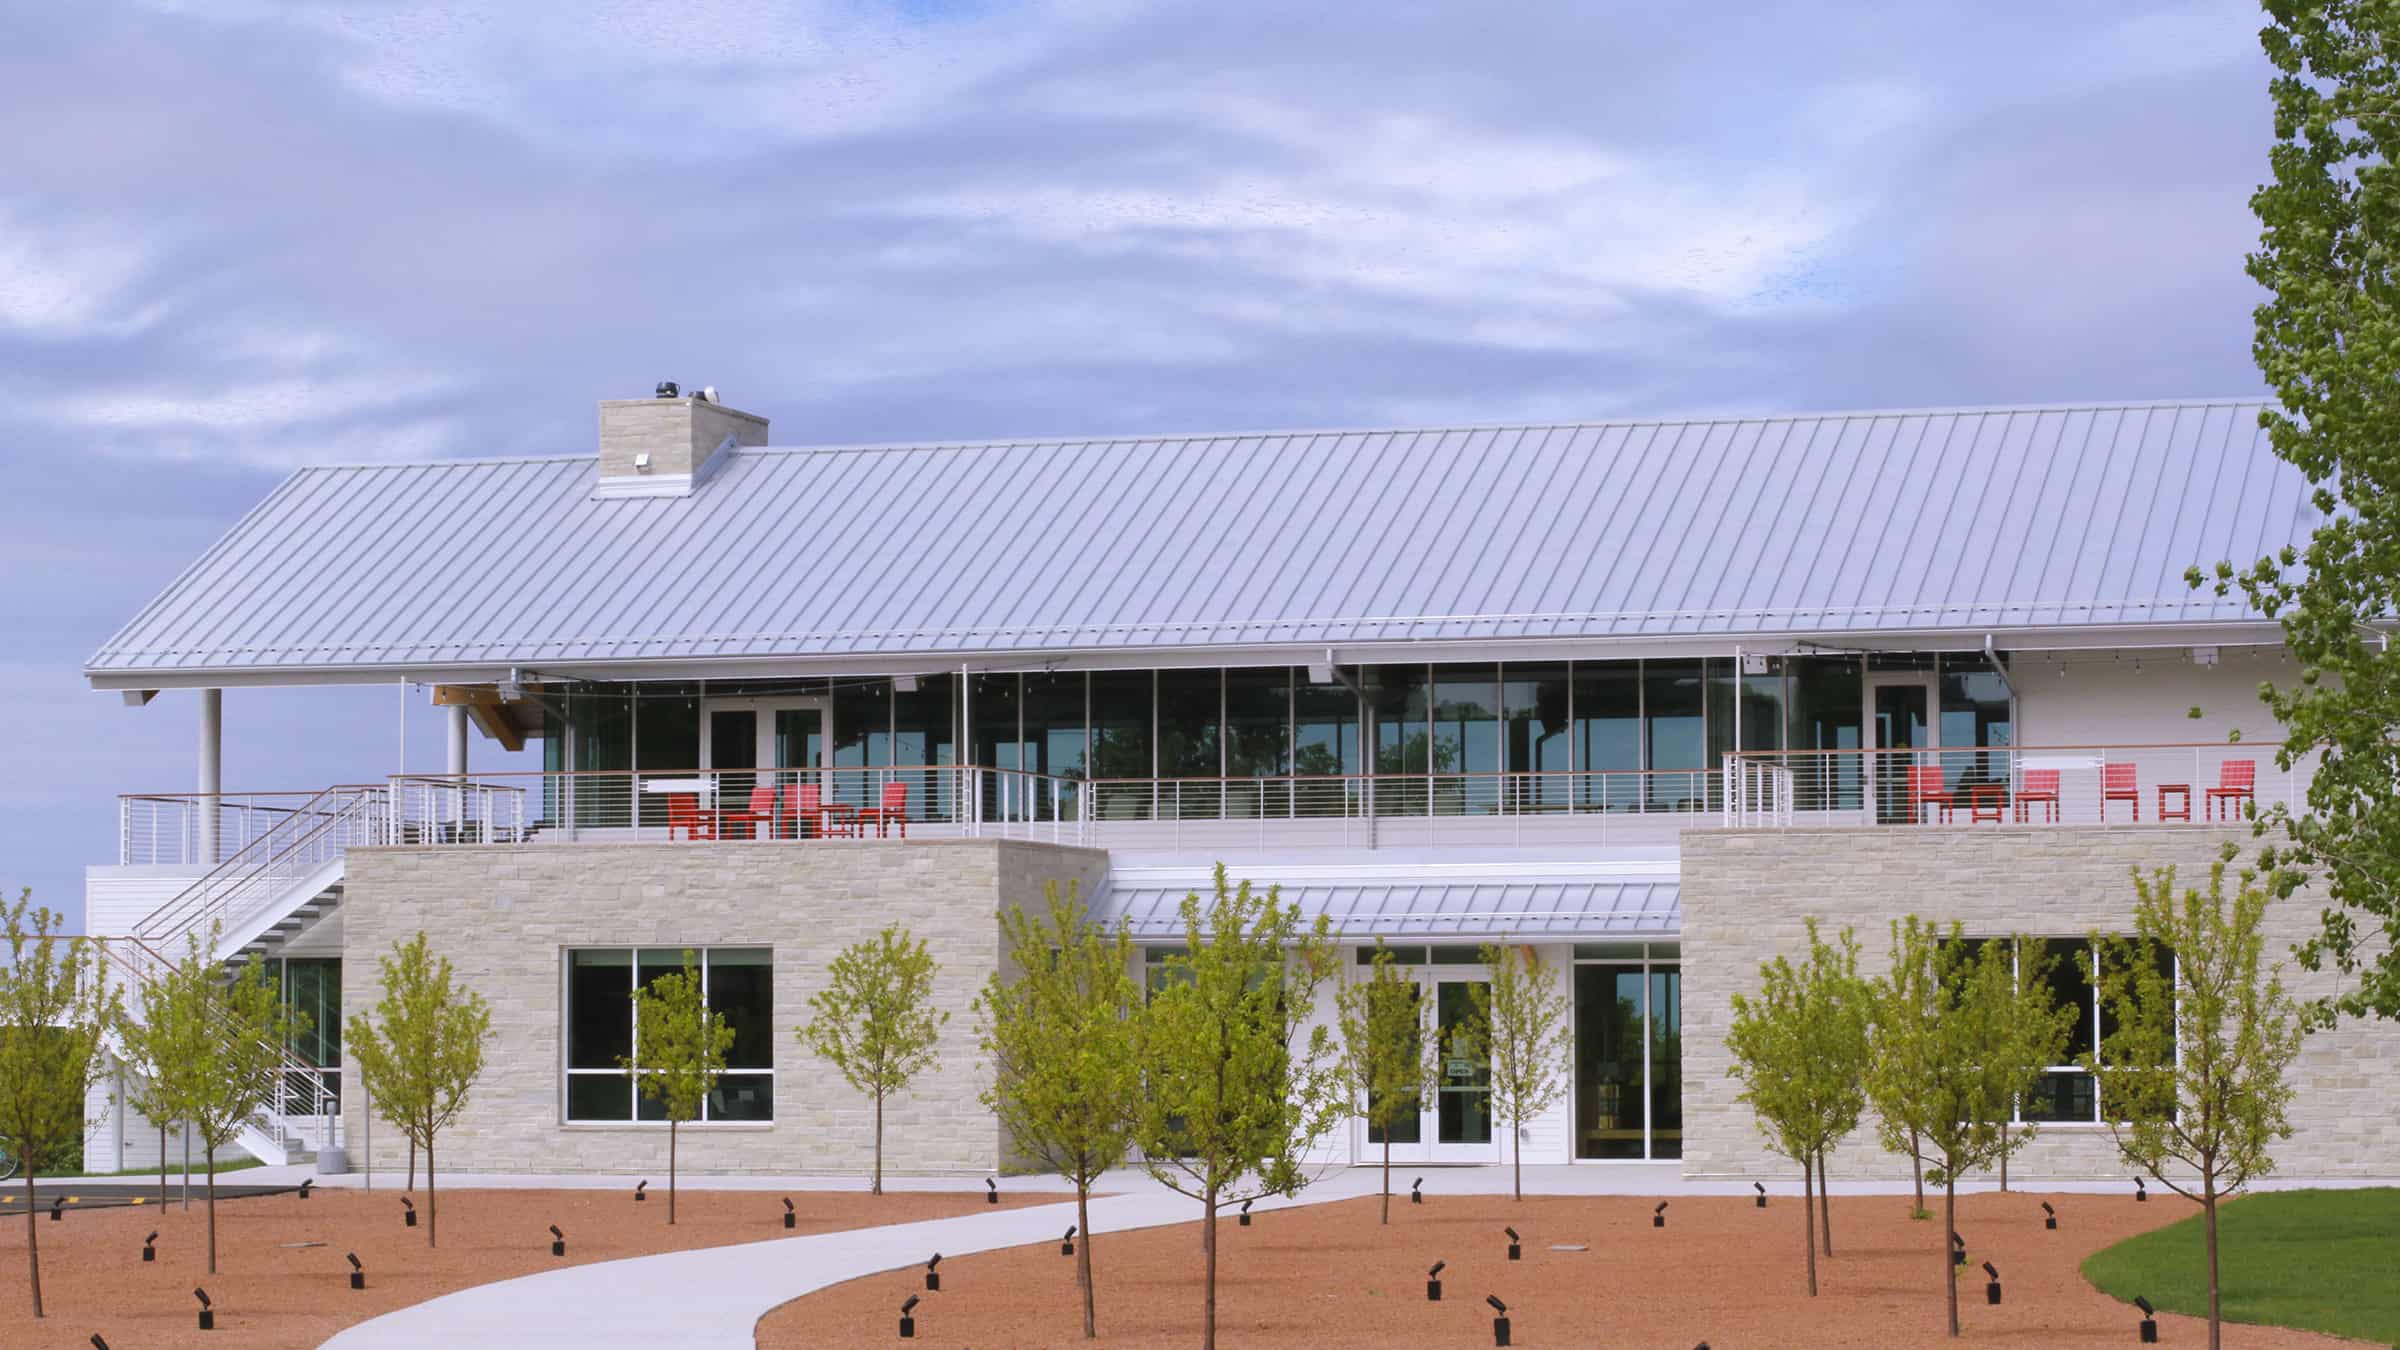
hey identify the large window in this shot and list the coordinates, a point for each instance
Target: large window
(312, 987)
(1533, 701)
(1258, 740)
(1674, 721)
(737, 982)
(1628, 1050)
(1123, 719)
(1466, 738)
(923, 733)
(2067, 1093)
(1608, 735)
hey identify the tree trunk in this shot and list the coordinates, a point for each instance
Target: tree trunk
(433, 1211)
(412, 1166)
(2004, 1157)
(1208, 1286)
(2208, 1215)
(1516, 1156)
(1824, 1204)
(33, 1238)
(209, 1155)
(1387, 1173)
(1083, 1259)
(162, 1165)
(1808, 1223)
(670, 1171)
(1916, 1167)
(1949, 1242)
(877, 1187)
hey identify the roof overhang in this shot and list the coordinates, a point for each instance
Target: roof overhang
(2078, 637)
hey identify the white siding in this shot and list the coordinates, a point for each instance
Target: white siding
(115, 898)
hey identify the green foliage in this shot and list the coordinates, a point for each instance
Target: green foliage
(1960, 1030)
(2327, 340)
(421, 1051)
(2192, 1076)
(678, 1051)
(55, 1007)
(1060, 1025)
(1520, 1024)
(1387, 1051)
(1239, 1082)
(2317, 1260)
(875, 1021)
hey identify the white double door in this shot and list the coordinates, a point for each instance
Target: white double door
(1454, 1124)
(764, 742)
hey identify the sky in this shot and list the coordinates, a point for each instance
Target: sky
(238, 236)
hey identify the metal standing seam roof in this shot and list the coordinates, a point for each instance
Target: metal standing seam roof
(1435, 909)
(1973, 520)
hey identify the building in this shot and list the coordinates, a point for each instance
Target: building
(1640, 696)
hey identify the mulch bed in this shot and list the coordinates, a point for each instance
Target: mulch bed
(270, 1295)
(1721, 1271)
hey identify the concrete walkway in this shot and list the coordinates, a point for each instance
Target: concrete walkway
(711, 1299)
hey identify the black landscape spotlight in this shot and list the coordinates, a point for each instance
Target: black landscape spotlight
(1658, 1216)
(1499, 1319)
(1244, 1217)
(1991, 1288)
(1958, 1250)
(208, 1315)
(2049, 1216)
(2149, 1321)
(150, 1247)
(1761, 1188)
(908, 1323)
(641, 1191)
(409, 1216)
(1415, 1196)
(358, 1273)
(991, 1191)
(558, 1241)
(98, 1343)
(790, 1220)
(1515, 1252)
(305, 1184)
(1066, 1245)
(2140, 1191)
(57, 1213)
(1433, 1282)
(933, 1278)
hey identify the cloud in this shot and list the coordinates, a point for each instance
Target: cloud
(74, 278)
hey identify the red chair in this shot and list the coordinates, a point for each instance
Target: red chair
(1926, 787)
(893, 811)
(2237, 781)
(2119, 783)
(2039, 785)
(804, 805)
(684, 813)
(759, 819)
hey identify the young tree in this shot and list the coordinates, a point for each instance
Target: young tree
(1239, 1083)
(2327, 339)
(223, 1039)
(1388, 1052)
(678, 1051)
(2192, 1074)
(1800, 1048)
(875, 1022)
(1961, 1030)
(1061, 1029)
(1520, 1023)
(421, 1052)
(147, 1050)
(55, 1006)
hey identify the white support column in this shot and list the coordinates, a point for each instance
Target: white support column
(212, 771)
(457, 767)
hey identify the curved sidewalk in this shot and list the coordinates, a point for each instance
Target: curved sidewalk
(712, 1298)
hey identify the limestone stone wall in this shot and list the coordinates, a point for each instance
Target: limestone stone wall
(506, 915)
(1747, 894)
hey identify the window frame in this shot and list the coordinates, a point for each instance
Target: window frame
(702, 954)
(2089, 953)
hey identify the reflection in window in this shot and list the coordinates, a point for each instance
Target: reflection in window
(1258, 738)
(736, 982)
(1121, 725)
(1629, 1057)
(1533, 700)
(1608, 735)
(1674, 723)
(1324, 748)
(1191, 711)
(1054, 737)
(923, 735)
(1397, 697)
(1466, 738)
(1826, 715)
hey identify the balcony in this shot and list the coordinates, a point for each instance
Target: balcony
(2061, 785)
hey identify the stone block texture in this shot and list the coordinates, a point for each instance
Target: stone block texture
(505, 917)
(1748, 893)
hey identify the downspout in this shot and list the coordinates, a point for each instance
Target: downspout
(1998, 669)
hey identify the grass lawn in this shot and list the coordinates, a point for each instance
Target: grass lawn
(175, 1170)
(2318, 1260)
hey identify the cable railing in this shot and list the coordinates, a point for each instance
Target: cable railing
(2164, 784)
(1391, 809)
(198, 828)
(245, 888)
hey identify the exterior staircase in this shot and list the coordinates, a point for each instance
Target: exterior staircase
(261, 897)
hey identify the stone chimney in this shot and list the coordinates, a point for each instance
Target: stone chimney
(669, 445)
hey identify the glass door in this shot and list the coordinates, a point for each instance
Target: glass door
(1462, 1097)
(1900, 723)
(751, 745)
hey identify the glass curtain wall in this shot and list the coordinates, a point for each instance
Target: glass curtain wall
(1974, 712)
(1674, 735)
(1258, 742)
(1466, 739)
(311, 986)
(1191, 720)
(1538, 744)
(1325, 749)
(924, 734)
(1607, 735)
(862, 739)
(1827, 715)
(1122, 735)
(1628, 1050)
(1399, 701)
